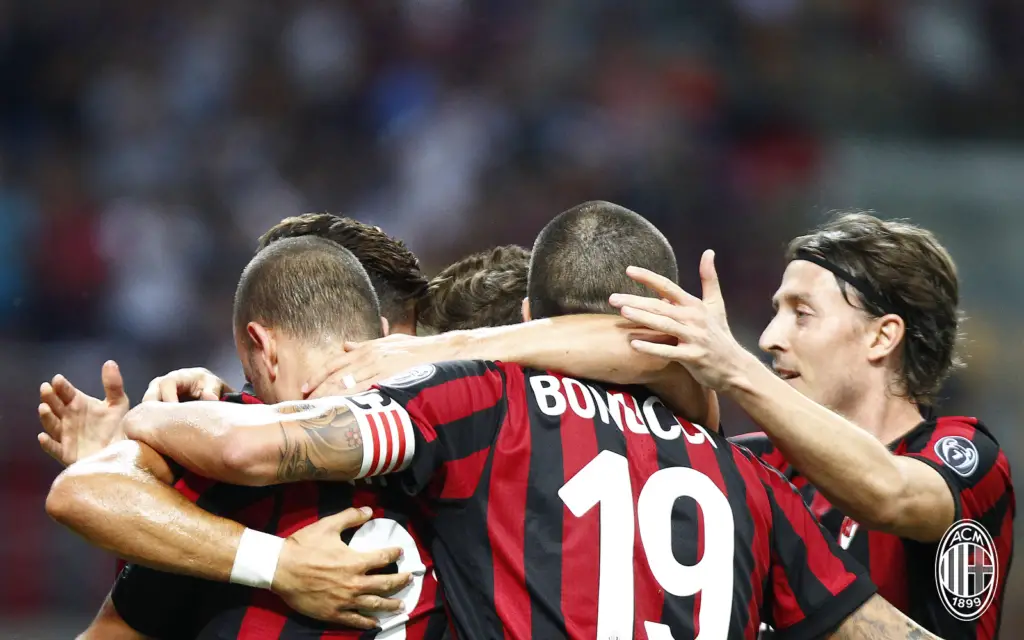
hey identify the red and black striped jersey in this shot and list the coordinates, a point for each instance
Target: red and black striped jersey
(163, 605)
(570, 509)
(967, 456)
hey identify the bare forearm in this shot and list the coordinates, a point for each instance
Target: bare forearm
(879, 620)
(204, 437)
(848, 465)
(584, 346)
(141, 519)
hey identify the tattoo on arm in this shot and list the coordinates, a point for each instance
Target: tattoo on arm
(879, 620)
(325, 447)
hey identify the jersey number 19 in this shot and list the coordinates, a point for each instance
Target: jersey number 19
(605, 480)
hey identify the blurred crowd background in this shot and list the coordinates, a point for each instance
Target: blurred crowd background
(145, 146)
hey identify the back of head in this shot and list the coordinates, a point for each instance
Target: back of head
(393, 269)
(309, 288)
(485, 289)
(910, 273)
(580, 259)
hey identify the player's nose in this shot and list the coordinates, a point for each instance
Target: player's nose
(772, 339)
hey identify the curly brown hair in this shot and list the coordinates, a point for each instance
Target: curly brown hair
(393, 269)
(913, 275)
(485, 289)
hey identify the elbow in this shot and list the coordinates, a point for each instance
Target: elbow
(135, 422)
(883, 510)
(61, 499)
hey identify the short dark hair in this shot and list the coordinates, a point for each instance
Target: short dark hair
(393, 269)
(580, 259)
(912, 274)
(485, 289)
(310, 288)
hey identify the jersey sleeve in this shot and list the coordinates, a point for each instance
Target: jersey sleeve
(155, 603)
(970, 461)
(435, 424)
(814, 584)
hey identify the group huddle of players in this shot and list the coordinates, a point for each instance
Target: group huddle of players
(528, 446)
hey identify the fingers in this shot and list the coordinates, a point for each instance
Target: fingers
(654, 320)
(661, 285)
(377, 603)
(48, 396)
(711, 290)
(211, 389)
(620, 300)
(113, 383)
(64, 389)
(355, 620)
(168, 390)
(379, 558)
(337, 378)
(50, 447)
(346, 519)
(51, 423)
(152, 391)
(679, 353)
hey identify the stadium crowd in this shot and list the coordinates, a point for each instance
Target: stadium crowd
(148, 172)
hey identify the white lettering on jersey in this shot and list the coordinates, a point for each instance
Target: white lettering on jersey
(555, 397)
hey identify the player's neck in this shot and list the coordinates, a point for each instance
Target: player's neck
(885, 416)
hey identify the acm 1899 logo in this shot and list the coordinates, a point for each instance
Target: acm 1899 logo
(966, 570)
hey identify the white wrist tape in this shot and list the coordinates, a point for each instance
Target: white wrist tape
(256, 559)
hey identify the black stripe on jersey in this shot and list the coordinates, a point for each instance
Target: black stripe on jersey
(744, 559)
(790, 545)
(459, 526)
(544, 513)
(222, 499)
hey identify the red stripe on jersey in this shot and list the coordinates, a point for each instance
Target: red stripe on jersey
(702, 459)
(461, 477)
(459, 398)
(886, 551)
(299, 507)
(649, 597)
(760, 510)
(192, 486)
(506, 515)
(375, 437)
(581, 537)
(264, 618)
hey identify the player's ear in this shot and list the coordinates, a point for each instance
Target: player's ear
(886, 336)
(384, 326)
(264, 346)
(526, 310)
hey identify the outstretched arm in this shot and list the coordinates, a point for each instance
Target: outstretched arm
(593, 346)
(855, 471)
